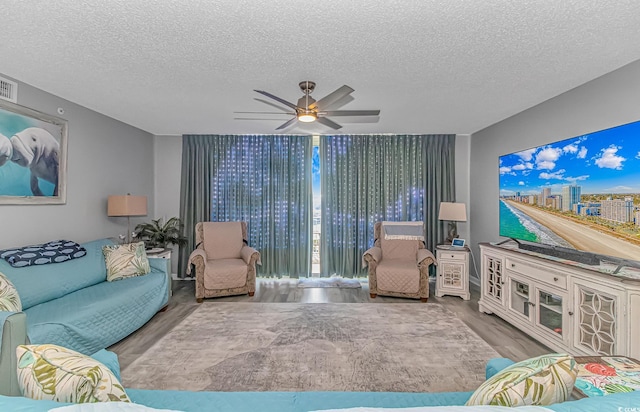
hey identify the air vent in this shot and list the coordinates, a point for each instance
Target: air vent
(8, 90)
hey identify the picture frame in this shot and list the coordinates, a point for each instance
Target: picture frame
(457, 242)
(33, 156)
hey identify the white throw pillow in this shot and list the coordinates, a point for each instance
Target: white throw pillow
(63, 375)
(9, 299)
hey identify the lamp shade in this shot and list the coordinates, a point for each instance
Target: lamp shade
(456, 212)
(126, 205)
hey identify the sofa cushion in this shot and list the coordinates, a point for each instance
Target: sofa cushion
(110, 312)
(62, 375)
(543, 380)
(125, 261)
(9, 298)
(39, 284)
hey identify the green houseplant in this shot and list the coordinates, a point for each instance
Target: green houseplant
(158, 234)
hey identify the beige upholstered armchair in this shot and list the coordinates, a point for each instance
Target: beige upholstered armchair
(398, 265)
(225, 265)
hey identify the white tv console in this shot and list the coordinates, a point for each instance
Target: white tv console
(569, 307)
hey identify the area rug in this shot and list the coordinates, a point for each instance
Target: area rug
(245, 346)
(332, 282)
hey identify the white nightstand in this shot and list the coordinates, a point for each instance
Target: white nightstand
(164, 254)
(452, 274)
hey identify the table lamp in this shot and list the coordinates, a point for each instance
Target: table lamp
(127, 205)
(452, 212)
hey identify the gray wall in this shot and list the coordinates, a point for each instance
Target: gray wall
(607, 101)
(105, 157)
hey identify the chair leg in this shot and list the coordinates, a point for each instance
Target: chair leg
(373, 295)
(251, 293)
(423, 300)
(199, 300)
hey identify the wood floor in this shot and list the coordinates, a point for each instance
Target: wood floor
(504, 338)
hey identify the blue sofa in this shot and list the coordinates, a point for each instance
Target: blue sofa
(312, 401)
(71, 304)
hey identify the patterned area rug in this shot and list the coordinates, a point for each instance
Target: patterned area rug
(398, 347)
(332, 282)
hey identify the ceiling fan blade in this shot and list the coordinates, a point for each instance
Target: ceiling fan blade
(287, 123)
(276, 98)
(328, 122)
(350, 113)
(278, 113)
(272, 104)
(255, 118)
(332, 97)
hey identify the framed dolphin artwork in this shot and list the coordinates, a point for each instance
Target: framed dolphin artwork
(33, 156)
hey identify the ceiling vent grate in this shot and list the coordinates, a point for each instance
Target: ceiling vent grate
(8, 90)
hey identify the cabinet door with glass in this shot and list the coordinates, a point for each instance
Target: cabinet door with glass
(521, 299)
(551, 316)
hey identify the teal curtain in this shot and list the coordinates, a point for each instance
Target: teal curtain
(263, 180)
(371, 178)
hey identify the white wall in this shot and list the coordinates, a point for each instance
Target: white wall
(105, 157)
(607, 101)
(463, 150)
(167, 169)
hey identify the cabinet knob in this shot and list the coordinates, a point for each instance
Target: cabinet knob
(555, 278)
(570, 313)
(513, 265)
(452, 256)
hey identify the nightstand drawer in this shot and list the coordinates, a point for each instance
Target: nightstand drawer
(449, 255)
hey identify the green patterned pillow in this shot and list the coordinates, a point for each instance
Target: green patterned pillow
(540, 381)
(125, 261)
(62, 375)
(9, 299)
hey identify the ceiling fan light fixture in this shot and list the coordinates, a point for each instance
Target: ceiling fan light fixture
(307, 116)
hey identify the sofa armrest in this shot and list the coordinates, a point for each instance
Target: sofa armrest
(374, 254)
(247, 253)
(13, 332)
(424, 255)
(496, 365)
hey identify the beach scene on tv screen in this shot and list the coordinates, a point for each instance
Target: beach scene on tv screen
(581, 193)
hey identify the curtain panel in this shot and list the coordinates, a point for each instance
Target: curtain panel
(371, 178)
(264, 180)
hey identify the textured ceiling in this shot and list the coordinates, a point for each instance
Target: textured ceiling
(430, 66)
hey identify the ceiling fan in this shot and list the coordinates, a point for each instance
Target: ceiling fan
(309, 110)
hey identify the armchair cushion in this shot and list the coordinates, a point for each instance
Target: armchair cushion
(222, 240)
(225, 274)
(399, 249)
(402, 276)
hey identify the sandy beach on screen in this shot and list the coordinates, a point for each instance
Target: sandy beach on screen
(580, 236)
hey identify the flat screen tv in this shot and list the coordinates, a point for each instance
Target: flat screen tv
(577, 195)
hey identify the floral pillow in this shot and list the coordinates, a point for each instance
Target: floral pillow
(540, 381)
(125, 261)
(9, 299)
(63, 375)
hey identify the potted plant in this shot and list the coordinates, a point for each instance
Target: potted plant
(157, 234)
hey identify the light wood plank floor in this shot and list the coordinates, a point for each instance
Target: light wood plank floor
(504, 338)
